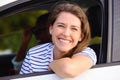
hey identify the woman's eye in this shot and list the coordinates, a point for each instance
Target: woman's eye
(60, 26)
(75, 29)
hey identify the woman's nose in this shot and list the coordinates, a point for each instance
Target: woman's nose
(66, 32)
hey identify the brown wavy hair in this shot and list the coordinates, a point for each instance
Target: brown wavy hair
(67, 6)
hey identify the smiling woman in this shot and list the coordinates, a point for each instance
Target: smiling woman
(103, 16)
(11, 27)
(64, 27)
(68, 55)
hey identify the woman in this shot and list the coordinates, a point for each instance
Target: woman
(68, 54)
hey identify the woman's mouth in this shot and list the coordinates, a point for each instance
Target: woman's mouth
(64, 40)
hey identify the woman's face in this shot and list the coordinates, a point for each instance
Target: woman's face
(66, 32)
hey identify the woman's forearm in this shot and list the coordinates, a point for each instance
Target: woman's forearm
(62, 67)
(71, 67)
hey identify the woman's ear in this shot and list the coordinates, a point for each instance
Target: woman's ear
(50, 30)
(81, 37)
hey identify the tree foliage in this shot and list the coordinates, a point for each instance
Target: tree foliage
(11, 28)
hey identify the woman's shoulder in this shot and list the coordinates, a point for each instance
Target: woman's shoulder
(89, 49)
(41, 46)
(90, 53)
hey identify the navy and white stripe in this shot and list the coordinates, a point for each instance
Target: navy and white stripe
(39, 57)
(90, 53)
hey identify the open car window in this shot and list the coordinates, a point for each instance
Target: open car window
(14, 18)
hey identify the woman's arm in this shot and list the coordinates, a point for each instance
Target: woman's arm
(71, 67)
(27, 34)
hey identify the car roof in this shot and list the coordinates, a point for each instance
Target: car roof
(15, 6)
(4, 4)
(8, 7)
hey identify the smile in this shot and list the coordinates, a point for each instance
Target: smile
(65, 41)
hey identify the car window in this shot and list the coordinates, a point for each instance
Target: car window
(12, 26)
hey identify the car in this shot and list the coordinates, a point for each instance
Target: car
(103, 16)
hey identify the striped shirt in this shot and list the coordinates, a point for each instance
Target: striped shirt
(39, 57)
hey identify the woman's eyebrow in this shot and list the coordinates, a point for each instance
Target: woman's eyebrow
(74, 26)
(60, 23)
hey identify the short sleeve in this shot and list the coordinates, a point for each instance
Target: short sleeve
(90, 53)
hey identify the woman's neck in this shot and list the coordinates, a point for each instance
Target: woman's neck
(57, 54)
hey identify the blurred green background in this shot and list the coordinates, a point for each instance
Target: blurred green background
(11, 28)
